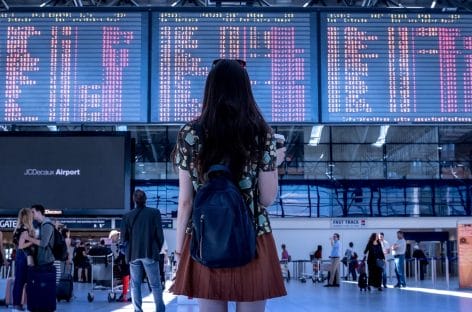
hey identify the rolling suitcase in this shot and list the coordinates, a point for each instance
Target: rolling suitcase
(65, 285)
(41, 289)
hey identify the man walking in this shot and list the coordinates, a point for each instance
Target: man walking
(142, 233)
(398, 251)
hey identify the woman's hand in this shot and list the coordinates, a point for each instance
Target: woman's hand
(280, 152)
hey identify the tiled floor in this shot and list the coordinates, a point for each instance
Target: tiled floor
(307, 297)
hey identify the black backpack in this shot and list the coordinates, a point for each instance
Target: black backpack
(223, 233)
(59, 246)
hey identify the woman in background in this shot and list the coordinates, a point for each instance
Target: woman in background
(23, 237)
(375, 256)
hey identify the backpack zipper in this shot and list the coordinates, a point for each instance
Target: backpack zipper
(200, 247)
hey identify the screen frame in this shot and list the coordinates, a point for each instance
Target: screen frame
(144, 64)
(127, 171)
(323, 65)
(316, 75)
(313, 56)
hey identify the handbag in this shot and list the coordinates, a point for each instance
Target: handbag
(380, 263)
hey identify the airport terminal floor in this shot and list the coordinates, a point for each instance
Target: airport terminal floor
(417, 296)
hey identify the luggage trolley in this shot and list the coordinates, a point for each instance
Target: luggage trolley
(102, 270)
(299, 270)
(285, 270)
(317, 275)
(323, 270)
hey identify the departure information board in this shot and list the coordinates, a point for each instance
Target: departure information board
(276, 46)
(73, 67)
(396, 67)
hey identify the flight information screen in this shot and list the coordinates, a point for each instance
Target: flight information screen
(73, 67)
(396, 67)
(277, 47)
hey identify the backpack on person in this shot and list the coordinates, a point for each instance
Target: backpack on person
(59, 246)
(223, 232)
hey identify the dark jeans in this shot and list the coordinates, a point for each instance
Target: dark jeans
(384, 277)
(161, 268)
(21, 269)
(352, 269)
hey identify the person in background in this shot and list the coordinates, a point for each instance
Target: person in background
(398, 251)
(100, 250)
(22, 238)
(80, 261)
(335, 257)
(388, 256)
(141, 232)
(419, 255)
(229, 130)
(3, 260)
(162, 260)
(45, 257)
(68, 267)
(122, 265)
(70, 248)
(285, 255)
(351, 256)
(319, 253)
(114, 237)
(373, 251)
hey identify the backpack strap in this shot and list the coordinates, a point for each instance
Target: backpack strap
(52, 235)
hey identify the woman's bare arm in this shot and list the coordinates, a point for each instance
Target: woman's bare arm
(184, 208)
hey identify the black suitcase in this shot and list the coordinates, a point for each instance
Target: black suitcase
(64, 288)
(41, 289)
(362, 282)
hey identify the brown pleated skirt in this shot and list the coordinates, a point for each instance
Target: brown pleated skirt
(258, 280)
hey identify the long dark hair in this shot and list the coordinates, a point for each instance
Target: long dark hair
(230, 121)
(372, 238)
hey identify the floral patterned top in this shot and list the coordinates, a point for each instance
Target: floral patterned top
(188, 147)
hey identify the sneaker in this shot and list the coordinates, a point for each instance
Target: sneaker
(397, 286)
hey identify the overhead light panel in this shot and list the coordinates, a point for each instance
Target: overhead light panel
(315, 135)
(382, 135)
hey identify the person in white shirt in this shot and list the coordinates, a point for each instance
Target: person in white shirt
(398, 251)
(335, 257)
(388, 256)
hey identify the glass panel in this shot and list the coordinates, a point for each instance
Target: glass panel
(355, 134)
(356, 152)
(420, 134)
(293, 200)
(455, 134)
(358, 170)
(410, 152)
(451, 200)
(164, 197)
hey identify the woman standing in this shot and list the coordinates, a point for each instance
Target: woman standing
(23, 237)
(375, 257)
(230, 131)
